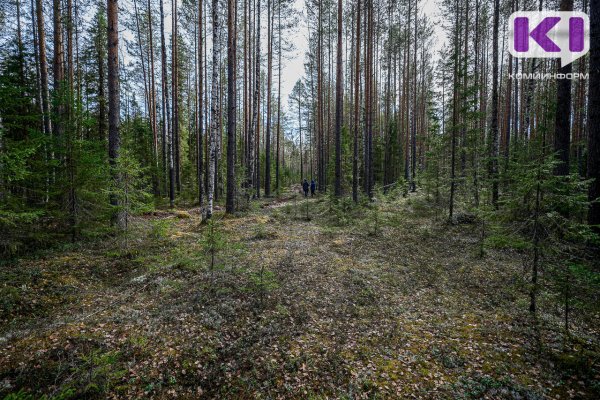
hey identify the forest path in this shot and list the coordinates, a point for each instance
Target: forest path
(385, 302)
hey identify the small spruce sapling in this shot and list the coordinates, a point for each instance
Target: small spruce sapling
(263, 281)
(213, 242)
(132, 190)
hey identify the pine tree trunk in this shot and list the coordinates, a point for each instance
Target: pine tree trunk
(59, 68)
(300, 137)
(231, 114)
(406, 110)
(20, 45)
(269, 97)
(36, 56)
(166, 133)
(413, 134)
(255, 123)
(244, 150)
(153, 102)
(43, 67)
(367, 64)
(278, 149)
(175, 91)
(562, 126)
(494, 123)
(142, 62)
(454, 117)
(214, 108)
(199, 149)
(356, 106)
(319, 108)
(101, 87)
(70, 58)
(114, 139)
(338, 106)
(369, 94)
(508, 108)
(593, 163)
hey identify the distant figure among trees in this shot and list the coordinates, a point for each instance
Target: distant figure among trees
(313, 187)
(305, 187)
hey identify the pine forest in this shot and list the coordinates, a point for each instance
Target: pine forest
(299, 199)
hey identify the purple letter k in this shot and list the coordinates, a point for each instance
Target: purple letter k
(538, 34)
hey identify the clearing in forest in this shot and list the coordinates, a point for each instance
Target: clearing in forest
(386, 301)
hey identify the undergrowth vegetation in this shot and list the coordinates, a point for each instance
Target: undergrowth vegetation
(384, 299)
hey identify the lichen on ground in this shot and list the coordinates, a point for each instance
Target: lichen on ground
(388, 302)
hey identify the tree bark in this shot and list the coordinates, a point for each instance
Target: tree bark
(253, 170)
(175, 145)
(114, 139)
(153, 101)
(494, 122)
(231, 114)
(356, 106)
(166, 129)
(59, 68)
(338, 106)
(593, 163)
(43, 67)
(269, 96)
(562, 125)
(413, 134)
(199, 149)
(100, 56)
(454, 115)
(214, 108)
(278, 150)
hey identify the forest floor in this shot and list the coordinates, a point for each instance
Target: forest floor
(384, 302)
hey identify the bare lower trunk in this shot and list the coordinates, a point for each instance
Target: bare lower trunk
(562, 127)
(269, 97)
(255, 123)
(356, 107)
(199, 148)
(338, 107)
(593, 163)
(114, 140)
(494, 123)
(58, 66)
(214, 110)
(231, 115)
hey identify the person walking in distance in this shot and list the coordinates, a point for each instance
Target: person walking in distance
(313, 187)
(305, 187)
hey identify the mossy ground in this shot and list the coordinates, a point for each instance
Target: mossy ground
(386, 301)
